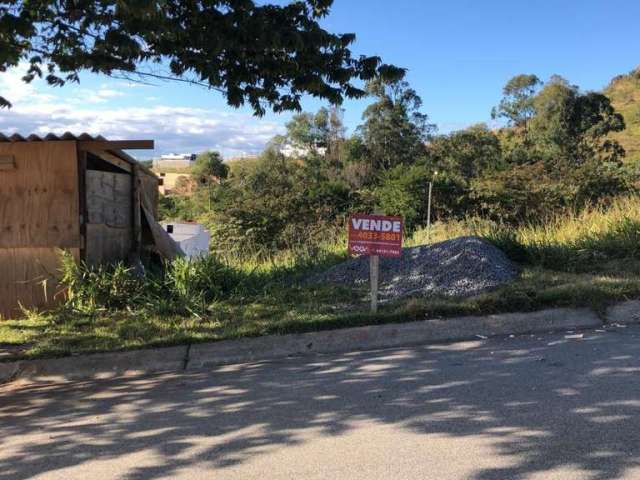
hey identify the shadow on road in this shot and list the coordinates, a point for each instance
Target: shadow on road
(546, 402)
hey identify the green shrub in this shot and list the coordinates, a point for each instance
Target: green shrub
(183, 286)
(191, 285)
(91, 289)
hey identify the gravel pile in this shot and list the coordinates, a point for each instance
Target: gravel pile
(461, 267)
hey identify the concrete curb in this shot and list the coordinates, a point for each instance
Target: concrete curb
(626, 313)
(387, 336)
(95, 366)
(198, 356)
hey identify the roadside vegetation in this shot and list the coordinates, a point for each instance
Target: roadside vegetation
(624, 92)
(586, 260)
(550, 188)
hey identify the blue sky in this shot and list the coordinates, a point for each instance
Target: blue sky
(459, 54)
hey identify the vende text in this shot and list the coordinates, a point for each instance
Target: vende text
(375, 235)
(371, 225)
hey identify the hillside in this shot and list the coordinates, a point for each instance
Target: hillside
(624, 92)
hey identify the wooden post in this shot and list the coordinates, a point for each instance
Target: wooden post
(82, 199)
(137, 213)
(374, 269)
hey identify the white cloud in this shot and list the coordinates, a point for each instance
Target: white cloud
(16, 91)
(174, 129)
(109, 93)
(132, 85)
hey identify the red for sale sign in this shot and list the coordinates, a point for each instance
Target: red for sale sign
(375, 235)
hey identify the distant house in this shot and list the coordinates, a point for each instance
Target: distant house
(178, 183)
(292, 151)
(174, 161)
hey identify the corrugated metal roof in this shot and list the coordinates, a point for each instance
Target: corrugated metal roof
(52, 137)
(16, 137)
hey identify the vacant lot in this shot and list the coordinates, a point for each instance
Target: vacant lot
(591, 260)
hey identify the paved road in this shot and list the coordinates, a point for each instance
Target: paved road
(534, 407)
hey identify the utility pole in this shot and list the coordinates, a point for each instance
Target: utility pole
(429, 207)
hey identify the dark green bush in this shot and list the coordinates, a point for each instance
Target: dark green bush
(182, 286)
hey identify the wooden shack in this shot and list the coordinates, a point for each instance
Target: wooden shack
(81, 194)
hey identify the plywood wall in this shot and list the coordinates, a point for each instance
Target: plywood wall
(109, 216)
(150, 190)
(39, 214)
(29, 278)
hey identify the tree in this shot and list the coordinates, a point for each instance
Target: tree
(209, 165)
(321, 134)
(308, 132)
(278, 203)
(208, 170)
(517, 104)
(256, 54)
(467, 153)
(394, 129)
(573, 127)
(335, 136)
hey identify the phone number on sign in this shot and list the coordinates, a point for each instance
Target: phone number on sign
(389, 237)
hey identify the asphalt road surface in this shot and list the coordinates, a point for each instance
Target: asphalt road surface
(534, 407)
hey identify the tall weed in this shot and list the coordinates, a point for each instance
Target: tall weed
(89, 290)
(182, 286)
(570, 242)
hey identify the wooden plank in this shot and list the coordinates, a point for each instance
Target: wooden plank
(162, 241)
(109, 199)
(109, 217)
(7, 162)
(29, 278)
(8, 293)
(82, 200)
(133, 161)
(39, 200)
(137, 214)
(374, 270)
(112, 159)
(107, 244)
(150, 191)
(116, 144)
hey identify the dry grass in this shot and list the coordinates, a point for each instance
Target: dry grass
(591, 259)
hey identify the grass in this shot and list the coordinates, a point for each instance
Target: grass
(624, 92)
(299, 309)
(591, 241)
(587, 260)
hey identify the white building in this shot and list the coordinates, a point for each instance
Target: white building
(292, 151)
(192, 238)
(174, 160)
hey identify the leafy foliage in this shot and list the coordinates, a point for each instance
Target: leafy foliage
(573, 127)
(209, 166)
(280, 203)
(89, 290)
(394, 129)
(181, 287)
(467, 153)
(624, 92)
(315, 133)
(555, 157)
(254, 53)
(517, 104)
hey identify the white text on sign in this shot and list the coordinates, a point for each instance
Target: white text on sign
(372, 225)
